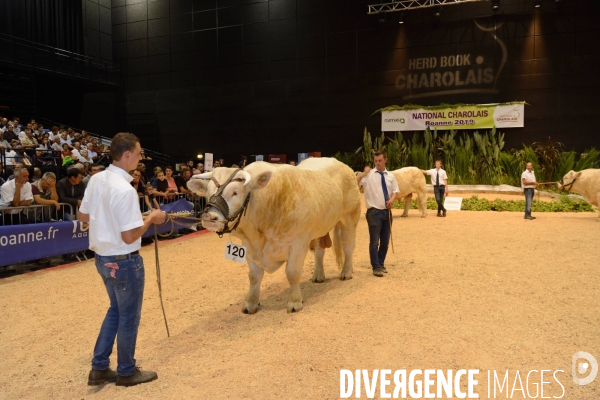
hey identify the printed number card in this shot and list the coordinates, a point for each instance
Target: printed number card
(235, 252)
(453, 203)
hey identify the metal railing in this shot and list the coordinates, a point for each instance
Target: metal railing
(35, 214)
(26, 54)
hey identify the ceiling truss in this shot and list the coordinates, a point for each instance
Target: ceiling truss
(402, 5)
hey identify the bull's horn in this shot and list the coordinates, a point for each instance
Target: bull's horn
(206, 175)
(246, 177)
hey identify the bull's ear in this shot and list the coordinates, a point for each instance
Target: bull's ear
(577, 175)
(197, 186)
(261, 180)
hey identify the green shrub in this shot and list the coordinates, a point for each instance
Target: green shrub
(474, 203)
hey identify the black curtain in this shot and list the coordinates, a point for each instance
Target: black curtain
(56, 23)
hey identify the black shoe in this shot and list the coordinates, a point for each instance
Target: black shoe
(378, 272)
(383, 269)
(531, 218)
(99, 377)
(137, 378)
(439, 214)
(444, 213)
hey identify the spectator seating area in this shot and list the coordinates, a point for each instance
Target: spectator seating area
(51, 168)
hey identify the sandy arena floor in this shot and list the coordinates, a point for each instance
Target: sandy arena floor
(475, 290)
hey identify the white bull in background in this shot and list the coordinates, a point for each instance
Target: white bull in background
(290, 210)
(411, 180)
(585, 183)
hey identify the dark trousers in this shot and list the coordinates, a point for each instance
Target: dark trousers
(529, 192)
(16, 219)
(439, 196)
(379, 235)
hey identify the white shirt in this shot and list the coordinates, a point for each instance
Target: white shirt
(374, 191)
(113, 206)
(7, 193)
(434, 173)
(529, 177)
(10, 157)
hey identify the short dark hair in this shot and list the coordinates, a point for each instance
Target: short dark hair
(380, 152)
(122, 142)
(169, 167)
(73, 172)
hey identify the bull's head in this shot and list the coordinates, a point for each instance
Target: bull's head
(566, 183)
(227, 191)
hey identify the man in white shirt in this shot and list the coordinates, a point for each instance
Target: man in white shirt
(439, 180)
(528, 183)
(111, 207)
(381, 190)
(14, 193)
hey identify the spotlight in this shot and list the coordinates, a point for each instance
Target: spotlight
(437, 12)
(382, 18)
(538, 3)
(495, 5)
(200, 156)
(401, 18)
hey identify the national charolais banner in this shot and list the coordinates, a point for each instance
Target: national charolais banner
(21, 243)
(483, 116)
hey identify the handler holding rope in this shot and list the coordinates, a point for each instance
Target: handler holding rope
(111, 207)
(381, 189)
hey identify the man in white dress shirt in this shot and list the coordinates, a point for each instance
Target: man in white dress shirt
(111, 207)
(439, 180)
(381, 190)
(528, 183)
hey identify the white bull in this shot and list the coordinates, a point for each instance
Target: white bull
(411, 180)
(585, 183)
(289, 210)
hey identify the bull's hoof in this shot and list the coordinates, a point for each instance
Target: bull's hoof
(294, 306)
(404, 216)
(318, 280)
(344, 277)
(423, 216)
(250, 308)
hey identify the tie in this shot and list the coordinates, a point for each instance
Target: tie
(384, 187)
(437, 179)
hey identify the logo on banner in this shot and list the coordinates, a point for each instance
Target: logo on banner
(396, 120)
(80, 229)
(512, 116)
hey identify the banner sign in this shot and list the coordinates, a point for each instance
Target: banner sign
(460, 117)
(453, 203)
(208, 162)
(20, 243)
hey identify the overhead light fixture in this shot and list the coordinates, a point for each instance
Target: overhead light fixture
(495, 5)
(401, 18)
(382, 18)
(437, 12)
(538, 3)
(200, 156)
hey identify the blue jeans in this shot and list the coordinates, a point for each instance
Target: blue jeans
(379, 235)
(439, 196)
(125, 290)
(528, 199)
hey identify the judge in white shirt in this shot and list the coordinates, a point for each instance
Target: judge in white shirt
(439, 180)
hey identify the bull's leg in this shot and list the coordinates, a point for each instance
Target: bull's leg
(423, 204)
(293, 271)
(407, 201)
(252, 298)
(348, 237)
(319, 274)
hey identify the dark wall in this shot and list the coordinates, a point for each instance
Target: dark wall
(289, 76)
(97, 29)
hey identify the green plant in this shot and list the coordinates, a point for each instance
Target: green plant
(549, 156)
(589, 159)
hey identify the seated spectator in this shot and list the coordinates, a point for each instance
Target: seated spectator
(94, 169)
(142, 168)
(70, 190)
(84, 157)
(10, 155)
(53, 133)
(156, 170)
(42, 157)
(10, 134)
(76, 150)
(181, 182)
(200, 168)
(66, 156)
(137, 183)
(216, 164)
(44, 193)
(64, 139)
(45, 143)
(29, 142)
(37, 174)
(56, 146)
(15, 193)
(162, 187)
(171, 184)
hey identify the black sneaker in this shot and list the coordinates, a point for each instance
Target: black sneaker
(137, 378)
(98, 377)
(378, 272)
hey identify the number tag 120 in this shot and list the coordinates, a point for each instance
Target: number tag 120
(235, 252)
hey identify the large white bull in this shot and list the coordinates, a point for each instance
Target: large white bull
(585, 183)
(289, 209)
(411, 180)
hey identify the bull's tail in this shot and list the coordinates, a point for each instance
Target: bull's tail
(338, 247)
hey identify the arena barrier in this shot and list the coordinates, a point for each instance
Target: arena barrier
(21, 243)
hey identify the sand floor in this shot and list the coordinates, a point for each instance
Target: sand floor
(475, 290)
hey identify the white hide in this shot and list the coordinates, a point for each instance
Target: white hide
(411, 180)
(587, 184)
